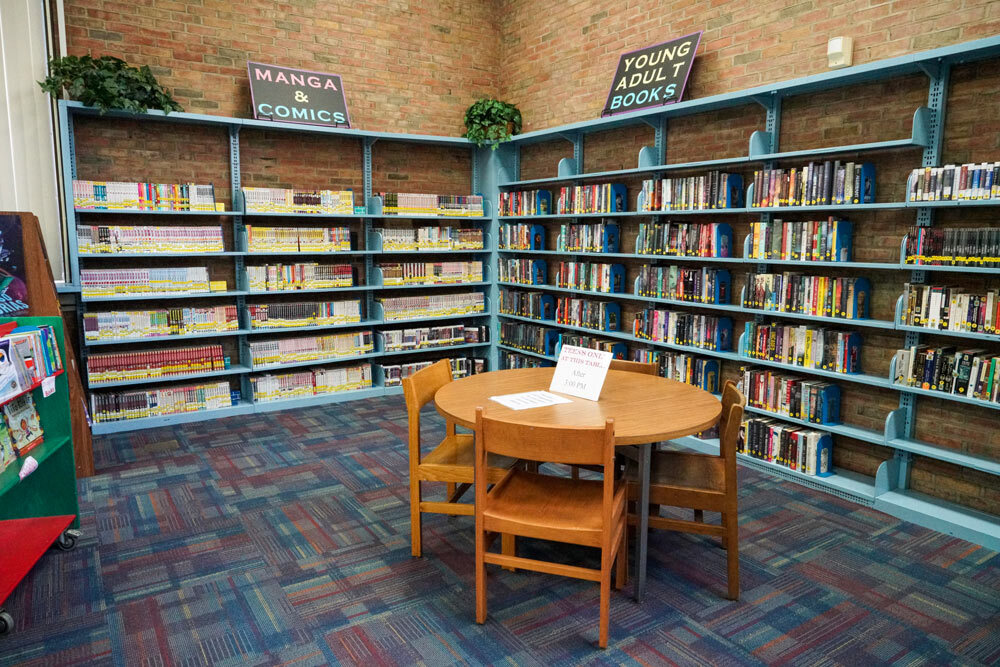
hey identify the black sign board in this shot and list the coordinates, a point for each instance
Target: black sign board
(652, 76)
(297, 96)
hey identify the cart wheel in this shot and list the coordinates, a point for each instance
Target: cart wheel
(6, 622)
(68, 539)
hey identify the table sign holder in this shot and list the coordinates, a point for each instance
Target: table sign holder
(580, 371)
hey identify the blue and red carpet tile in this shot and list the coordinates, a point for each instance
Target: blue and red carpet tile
(283, 538)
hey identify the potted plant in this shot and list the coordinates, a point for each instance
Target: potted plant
(492, 121)
(107, 83)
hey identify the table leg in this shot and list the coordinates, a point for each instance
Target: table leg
(642, 525)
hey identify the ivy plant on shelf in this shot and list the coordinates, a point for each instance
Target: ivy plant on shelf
(491, 121)
(107, 83)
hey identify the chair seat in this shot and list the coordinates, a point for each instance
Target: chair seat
(452, 461)
(681, 470)
(548, 507)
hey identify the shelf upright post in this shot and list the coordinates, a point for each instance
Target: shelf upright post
(239, 263)
(502, 165)
(366, 223)
(68, 139)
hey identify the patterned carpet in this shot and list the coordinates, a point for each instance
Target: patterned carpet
(284, 539)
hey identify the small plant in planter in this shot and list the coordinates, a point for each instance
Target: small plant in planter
(107, 83)
(491, 121)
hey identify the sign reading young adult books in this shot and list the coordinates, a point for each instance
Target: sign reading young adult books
(652, 76)
(580, 371)
(297, 96)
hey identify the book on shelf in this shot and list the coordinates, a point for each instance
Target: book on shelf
(954, 182)
(972, 373)
(511, 360)
(431, 273)
(432, 305)
(34, 352)
(596, 237)
(716, 189)
(600, 315)
(600, 198)
(298, 239)
(330, 347)
(804, 450)
(682, 367)
(823, 296)
(697, 284)
(829, 240)
(299, 276)
(151, 364)
(708, 332)
(312, 382)
(591, 276)
(107, 239)
(685, 239)
(406, 203)
(618, 349)
(522, 237)
(943, 308)
(805, 346)
(126, 324)
(134, 196)
(7, 453)
(529, 337)
(121, 282)
(23, 424)
(831, 182)
(537, 305)
(160, 402)
(525, 202)
(786, 395)
(393, 374)
(422, 338)
(303, 314)
(953, 246)
(523, 271)
(290, 200)
(430, 238)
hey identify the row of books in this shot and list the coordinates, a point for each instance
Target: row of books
(329, 347)
(687, 239)
(829, 240)
(311, 382)
(973, 373)
(432, 305)
(509, 360)
(951, 308)
(298, 239)
(522, 271)
(525, 202)
(618, 349)
(788, 292)
(180, 280)
(815, 184)
(600, 198)
(528, 337)
(716, 189)
(591, 276)
(431, 238)
(460, 367)
(304, 275)
(814, 401)
(701, 285)
(955, 181)
(520, 236)
(953, 246)
(28, 355)
(596, 237)
(20, 429)
(679, 328)
(303, 314)
(431, 273)
(403, 203)
(124, 324)
(794, 447)
(290, 200)
(601, 315)
(131, 195)
(148, 364)
(106, 239)
(534, 304)
(682, 367)
(806, 346)
(419, 338)
(125, 405)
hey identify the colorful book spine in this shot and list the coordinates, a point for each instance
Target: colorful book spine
(114, 282)
(829, 240)
(151, 364)
(431, 273)
(685, 239)
(128, 324)
(289, 200)
(164, 401)
(403, 204)
(107, 239)
(331, 347)
(293, 315)
(134, 196)
(435, 305)
(298, 239)
(313, 382)
(290, 277)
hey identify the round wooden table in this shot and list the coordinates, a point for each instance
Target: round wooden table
(646, 409)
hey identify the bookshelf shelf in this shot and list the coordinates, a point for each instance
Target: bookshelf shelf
(895, 437)
(950, 269)
(114, 211)
(314, 362)
(440, 348)
(448, 218)
(313, 290)
(314, 327)
(435, 318)
(957, 398)
(173, 295)
(537, 355)
(951, 334)
(478, 283)
(171, 337)
(318, 399)
(273, 214)
(232, 370)
(41, 453)
(874, 437)
(146, 255)
(121, 426)
(306, 253)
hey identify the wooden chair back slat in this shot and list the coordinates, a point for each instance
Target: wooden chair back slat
(634, 367)
(572, 445)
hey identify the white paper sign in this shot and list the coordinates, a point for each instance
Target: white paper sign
(580, 371)
(49, 386)
(529, 399)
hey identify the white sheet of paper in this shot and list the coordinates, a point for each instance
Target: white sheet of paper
(529, 399)
(580, 371)
(49, 386)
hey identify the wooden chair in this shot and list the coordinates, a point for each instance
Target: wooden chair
(451, 460)
(585, 512)
(634, 367)
(701, 482)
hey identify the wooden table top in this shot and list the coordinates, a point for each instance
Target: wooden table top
(645, 408)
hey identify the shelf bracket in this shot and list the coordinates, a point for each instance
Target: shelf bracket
(766, 100)
(932, 68)
(653, 124)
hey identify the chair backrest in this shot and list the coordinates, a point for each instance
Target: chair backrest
(419, 390)
(730, 396)
(634, 367)
(733, 402)
(575, 445)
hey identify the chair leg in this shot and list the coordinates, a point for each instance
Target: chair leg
(508, 547)
(480, 575)
(621, 573)
(415, 523)
(724, 543)
(602, 639)
(574, 472)
(699, 516)
(733, 556)
(449, 491)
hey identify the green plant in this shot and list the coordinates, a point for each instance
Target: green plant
(491, 121)
(107, 83)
